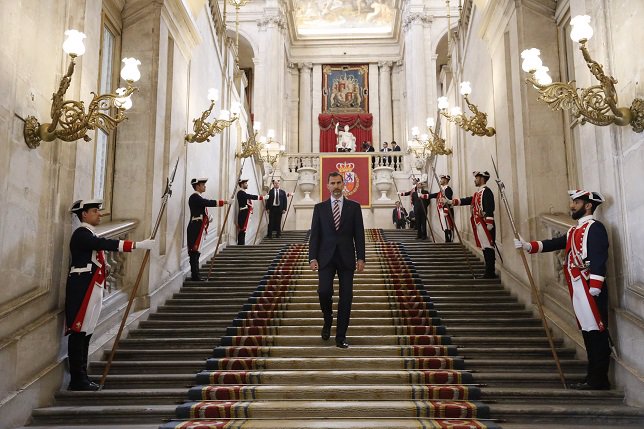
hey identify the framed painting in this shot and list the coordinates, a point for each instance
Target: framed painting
(345, 88)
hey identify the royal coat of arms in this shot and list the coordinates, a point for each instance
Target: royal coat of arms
(350, 178)
(345, 89)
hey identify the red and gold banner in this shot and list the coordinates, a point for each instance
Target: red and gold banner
(356, 171)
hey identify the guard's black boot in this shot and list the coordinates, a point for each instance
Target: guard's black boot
(194, 266)
(90, 384)
(77, 369)
(490, 258)
(448, 236)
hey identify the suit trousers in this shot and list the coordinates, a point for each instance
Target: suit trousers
(421, 224)
(274, 220)
(325, 294)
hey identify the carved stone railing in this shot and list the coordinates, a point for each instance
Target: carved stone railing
(118, 230)
(379, 159)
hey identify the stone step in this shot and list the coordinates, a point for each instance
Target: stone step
(147, 381)
(103, 414)
(326, 351)
(349, 423)
(357, 409)
(280, 364)
(122, 397)
(610, 416)
(128, 354)
(520, 395)
(168, 343)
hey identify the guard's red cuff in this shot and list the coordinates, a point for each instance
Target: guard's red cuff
(261, 198)
(126, 246)
(489, 220)
(424, 196)
(596, 281)
(535, 247)
(456, 202)
(220, 203)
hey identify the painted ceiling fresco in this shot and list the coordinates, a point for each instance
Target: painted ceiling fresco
(344, 18)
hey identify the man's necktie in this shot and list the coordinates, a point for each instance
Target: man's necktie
(277, 197)
(336, 214)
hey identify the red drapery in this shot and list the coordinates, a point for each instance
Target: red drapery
(360, 125)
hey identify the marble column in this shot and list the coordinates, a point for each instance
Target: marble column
(317, 106)
(271, 29)
(415, 65)
(398, 102)
(374, 105)
(292, 118)
(305, 144)
(385, 102)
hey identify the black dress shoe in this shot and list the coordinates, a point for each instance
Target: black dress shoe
(326, 332)
(342, 344)
(487, 276)
(83, 387)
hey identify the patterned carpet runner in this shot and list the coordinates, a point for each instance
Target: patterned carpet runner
(273, 370)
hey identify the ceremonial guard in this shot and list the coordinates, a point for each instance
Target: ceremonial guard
(245, 207)
(199, 221)
(482, 219)
(445, 213)
(276, 207)
(584, 266)
(85, 284)
(420, 202)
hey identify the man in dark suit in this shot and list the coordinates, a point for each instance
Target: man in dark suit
(337, 240)
(395, 148)
(420, 202)
(399, 216)
(275, 206)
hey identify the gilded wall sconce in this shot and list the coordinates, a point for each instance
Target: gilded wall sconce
(204, 130)
(69, 121)
(252, 146)
(596, 104)
(476, 124)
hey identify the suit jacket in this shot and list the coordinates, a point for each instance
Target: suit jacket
(395, 149)
(394, 215)
(271, 199)
(348, 241)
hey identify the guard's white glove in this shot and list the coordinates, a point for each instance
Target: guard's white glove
(520, 244)
(594, 291)
(145, 244)
(231, 201)
(448, 203)
(489, 226)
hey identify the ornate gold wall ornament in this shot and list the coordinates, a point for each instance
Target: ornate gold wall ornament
(596, 104)
(70, 122)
